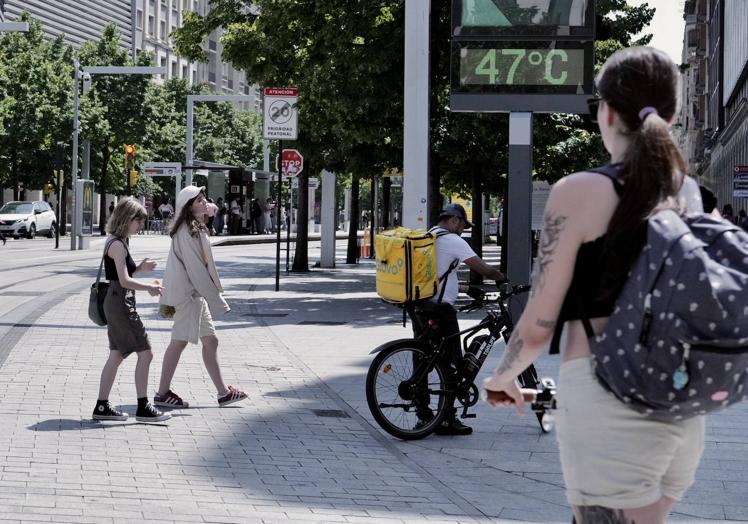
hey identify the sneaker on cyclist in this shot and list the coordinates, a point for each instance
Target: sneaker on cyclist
(453, 426)
(232, 395)
(148, 414)
(104, 411)
(424, 418)
(169, 400)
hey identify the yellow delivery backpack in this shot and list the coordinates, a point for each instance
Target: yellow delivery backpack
(406, 264)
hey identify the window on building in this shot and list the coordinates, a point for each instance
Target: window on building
(194, 77)
(185, 73)
(212, 77)
(173, 70)
(212, 45)
(151, 26)
(175, 16)
(139, 22)
(162, 26)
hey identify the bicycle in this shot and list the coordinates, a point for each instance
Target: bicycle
(408, 377)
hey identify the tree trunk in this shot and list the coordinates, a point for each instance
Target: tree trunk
(386, 185)
(102, 191)
(14, 173)
(301, 256)
(476, 234)
(352, 253)
(436, 201)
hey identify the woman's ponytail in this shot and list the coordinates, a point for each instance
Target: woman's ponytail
(641, 85)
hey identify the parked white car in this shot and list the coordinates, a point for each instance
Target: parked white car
(28, 219)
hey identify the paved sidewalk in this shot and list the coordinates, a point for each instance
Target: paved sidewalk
(303, 448)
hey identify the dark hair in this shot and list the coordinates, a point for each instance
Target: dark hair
(708, 199)
(186, 217)
(652, 172)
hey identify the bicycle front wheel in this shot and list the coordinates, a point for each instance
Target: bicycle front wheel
(405, 407)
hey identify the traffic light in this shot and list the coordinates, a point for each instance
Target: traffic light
(130, 156)
(133, 178)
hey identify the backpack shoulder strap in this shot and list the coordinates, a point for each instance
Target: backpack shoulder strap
(613, 172)
(437, 232)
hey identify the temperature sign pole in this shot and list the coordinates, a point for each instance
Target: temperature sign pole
(521, 58)
(280, 122)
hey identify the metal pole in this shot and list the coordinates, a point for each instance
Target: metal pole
(74, 172)
(60, 180)
(188, 159)
(278, 232)
(416, 114)
(288, 227)
(519, 245)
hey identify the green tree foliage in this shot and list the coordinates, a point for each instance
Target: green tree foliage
(346, 59)
(35, 104)
(222, 132)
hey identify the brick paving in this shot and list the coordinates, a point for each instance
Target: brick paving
(274, 458)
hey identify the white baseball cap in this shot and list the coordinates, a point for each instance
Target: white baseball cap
(185, 195)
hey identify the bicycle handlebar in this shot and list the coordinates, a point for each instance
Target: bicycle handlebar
(479, 296)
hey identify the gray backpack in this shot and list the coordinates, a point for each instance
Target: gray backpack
(676, 345)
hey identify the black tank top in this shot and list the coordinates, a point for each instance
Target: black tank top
(590, 294)
(110, 269)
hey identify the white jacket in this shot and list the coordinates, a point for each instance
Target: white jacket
(191, 271)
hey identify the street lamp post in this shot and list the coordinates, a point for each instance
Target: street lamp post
(76, 243)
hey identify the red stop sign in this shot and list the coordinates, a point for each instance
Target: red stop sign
(293, 162)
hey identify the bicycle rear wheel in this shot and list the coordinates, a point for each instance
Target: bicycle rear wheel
(403, 407)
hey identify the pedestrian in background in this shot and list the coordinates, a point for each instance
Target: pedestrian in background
(192, 287)
(124, 327)
(220, 216)
(210, 215)
(111, 208)
(727, 213)
(618, 464)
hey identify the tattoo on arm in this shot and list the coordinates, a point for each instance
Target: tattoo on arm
(511, 354)
(547, 324)
(601, 515)
(549, 240)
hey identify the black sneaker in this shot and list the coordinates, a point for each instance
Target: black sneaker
(149, 414)
(424, 418)
(104, 411)
(453, 426)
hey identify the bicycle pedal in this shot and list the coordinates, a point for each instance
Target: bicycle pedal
(469, 415)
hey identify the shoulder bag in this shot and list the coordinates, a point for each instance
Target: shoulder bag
(98, 293)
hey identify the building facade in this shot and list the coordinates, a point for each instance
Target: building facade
(155, 20)
(714, 116)
(79, 20)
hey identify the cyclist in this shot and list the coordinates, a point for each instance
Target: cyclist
(451, 250)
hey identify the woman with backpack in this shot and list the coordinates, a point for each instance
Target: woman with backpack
(193, 289)
(618, 464)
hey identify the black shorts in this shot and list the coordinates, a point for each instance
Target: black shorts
(124, 327)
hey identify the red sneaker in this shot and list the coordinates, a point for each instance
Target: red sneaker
(169, 400)
(231, 396)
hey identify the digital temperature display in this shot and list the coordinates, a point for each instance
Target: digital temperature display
(521, 66)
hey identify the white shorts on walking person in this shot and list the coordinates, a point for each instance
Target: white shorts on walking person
(193, 288)
(618, 464)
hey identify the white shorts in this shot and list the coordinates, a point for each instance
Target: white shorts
(614, 457)
(192, 321)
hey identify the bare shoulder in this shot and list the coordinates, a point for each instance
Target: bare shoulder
(117, 249)
(588, 199)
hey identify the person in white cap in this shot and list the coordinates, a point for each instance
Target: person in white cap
(192, 287)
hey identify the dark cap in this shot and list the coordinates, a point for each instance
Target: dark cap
(456, 210)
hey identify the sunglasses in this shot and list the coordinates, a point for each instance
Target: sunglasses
(593, 104)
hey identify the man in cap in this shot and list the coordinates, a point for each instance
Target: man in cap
(451, 250)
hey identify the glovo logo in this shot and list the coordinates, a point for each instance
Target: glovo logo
(391, 269)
